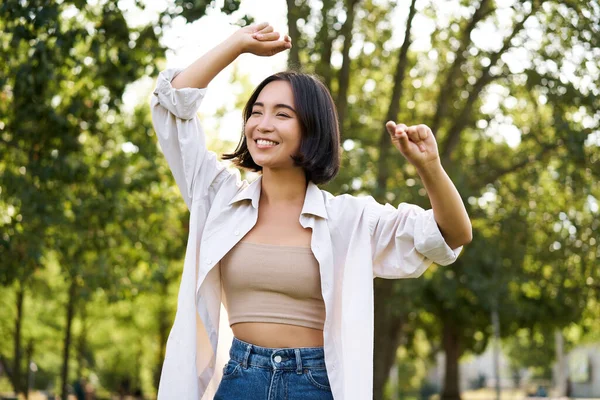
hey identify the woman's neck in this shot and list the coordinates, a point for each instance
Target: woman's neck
(283, 186)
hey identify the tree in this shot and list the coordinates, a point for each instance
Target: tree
(451, 84)
(62, 77)
(517, 196)
(533, 197)
(482, 166)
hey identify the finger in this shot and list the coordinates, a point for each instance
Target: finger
(423, 131)
(400, 128)
(286, 38)
(391, 127)
(267, 37)
(418, 133)
(276, 47)
(267, 29)
(394, 129)
(259, 27)
(413, 133)
(403, 142)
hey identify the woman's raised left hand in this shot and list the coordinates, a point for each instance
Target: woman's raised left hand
(416, 143)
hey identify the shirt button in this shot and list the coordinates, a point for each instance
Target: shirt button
(236, 233)
(209, 261)
(277, 359)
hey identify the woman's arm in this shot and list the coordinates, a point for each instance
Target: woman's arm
(178, 96)
(417, 144)
(448, 208)
(256, 39)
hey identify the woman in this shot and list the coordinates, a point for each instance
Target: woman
(293, 265)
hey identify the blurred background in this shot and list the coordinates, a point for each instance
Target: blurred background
(93, 229)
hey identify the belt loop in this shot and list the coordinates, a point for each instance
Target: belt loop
(247, 356)
(298, 362)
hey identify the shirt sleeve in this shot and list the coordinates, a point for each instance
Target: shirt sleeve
(181, 137)
(405, 241)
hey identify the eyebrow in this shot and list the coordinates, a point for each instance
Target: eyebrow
(280, 105)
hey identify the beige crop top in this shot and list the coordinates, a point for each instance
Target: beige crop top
(270, 283)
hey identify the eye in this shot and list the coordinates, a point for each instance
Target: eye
(255, 113)
(283, 115)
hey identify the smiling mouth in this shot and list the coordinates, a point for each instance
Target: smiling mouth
(266, 143)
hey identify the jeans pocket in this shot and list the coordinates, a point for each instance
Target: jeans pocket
(318, 377)
(230, 369)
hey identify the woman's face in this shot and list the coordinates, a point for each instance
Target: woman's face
(273, 130)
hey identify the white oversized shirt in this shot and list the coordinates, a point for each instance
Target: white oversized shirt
(354, 239)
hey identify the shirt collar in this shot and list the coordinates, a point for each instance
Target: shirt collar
(314, 203)
(250, 192)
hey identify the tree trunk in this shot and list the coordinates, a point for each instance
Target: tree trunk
(446, 89)
(82, 341)
(387, 335)
(451, 343)
(344, 74)
(394, 108)
(325, 38)
(561, 365)
(294, 53)
(67, 343)
(29, 372)
(17, 379)
(497, 350)
(464, 117)
(388, 322)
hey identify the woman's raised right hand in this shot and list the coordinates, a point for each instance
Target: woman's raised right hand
(262, 40)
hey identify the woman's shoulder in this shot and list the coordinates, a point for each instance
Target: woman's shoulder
(345, 203)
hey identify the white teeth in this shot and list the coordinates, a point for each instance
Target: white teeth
(263, 142)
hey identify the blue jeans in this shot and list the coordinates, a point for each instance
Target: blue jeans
(261, 373)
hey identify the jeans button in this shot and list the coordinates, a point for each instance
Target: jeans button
(277, 359)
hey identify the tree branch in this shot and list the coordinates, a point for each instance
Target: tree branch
(7, 369)
(521, 164)
(394, 108)
(326, 39)
(446, 90)
(463, 118)
(294, 32)
(344, 74)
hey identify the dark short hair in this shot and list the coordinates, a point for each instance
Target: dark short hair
(319, 153)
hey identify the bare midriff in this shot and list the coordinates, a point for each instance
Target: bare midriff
(274, 335)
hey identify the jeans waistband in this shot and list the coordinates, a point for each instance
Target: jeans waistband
(296, 359)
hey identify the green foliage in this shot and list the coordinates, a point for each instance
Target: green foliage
(91, 221)
(88, 204)
(193, 10)
(532, 349)
(533, 203)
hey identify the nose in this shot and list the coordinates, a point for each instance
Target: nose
(265, 125)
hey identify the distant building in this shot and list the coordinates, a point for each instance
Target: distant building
(478, 371)
(583, 367)
(582, 364)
